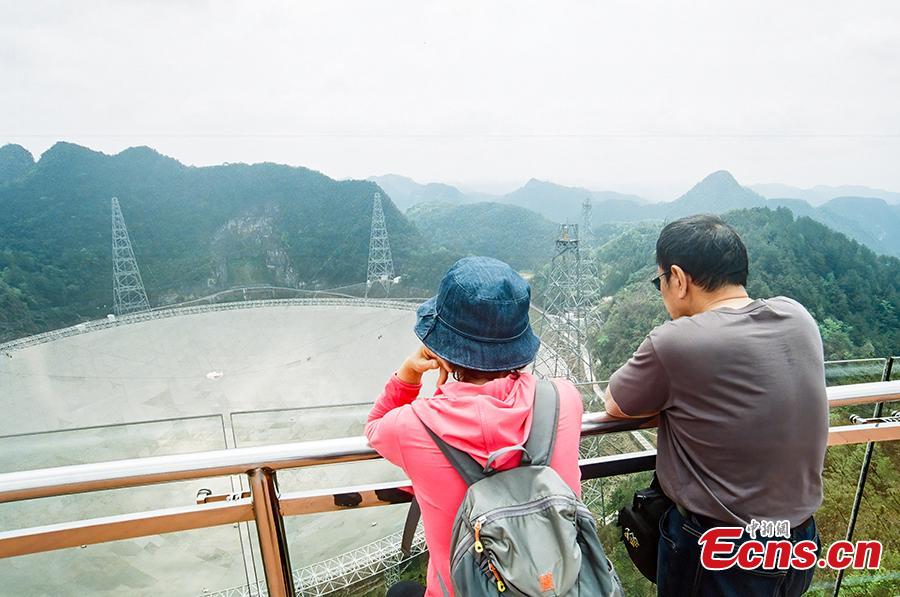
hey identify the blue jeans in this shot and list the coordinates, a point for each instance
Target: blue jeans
(679, 573)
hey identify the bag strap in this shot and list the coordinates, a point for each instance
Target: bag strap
(544, 423)
(489, 465)
(409, 527)
(467, 467)
(537, 450)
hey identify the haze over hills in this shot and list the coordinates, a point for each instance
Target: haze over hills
(821, 194)
(870, 221)
(563, 204)
(405, 192)
(554, 201)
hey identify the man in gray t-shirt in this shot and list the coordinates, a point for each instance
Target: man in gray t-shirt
(739, 386)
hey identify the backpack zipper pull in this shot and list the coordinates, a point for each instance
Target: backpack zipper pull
(479, 547)
(501, 586)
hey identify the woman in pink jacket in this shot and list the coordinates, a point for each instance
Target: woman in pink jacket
(476, 329)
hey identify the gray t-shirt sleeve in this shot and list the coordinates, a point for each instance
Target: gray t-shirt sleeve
(641, 385)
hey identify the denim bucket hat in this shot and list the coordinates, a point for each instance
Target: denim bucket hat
(479, 318)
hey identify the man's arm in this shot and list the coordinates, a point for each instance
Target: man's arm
(641, 385)
(613, 410)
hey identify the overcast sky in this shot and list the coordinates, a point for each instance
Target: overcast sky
(644, 96)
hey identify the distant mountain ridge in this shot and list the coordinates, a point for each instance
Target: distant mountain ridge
(405, 192)
(717, 193)
(870, 221)
(197, 230)
(821, 194)
(563, 204)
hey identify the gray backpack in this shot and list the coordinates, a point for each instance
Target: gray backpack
(522, 531)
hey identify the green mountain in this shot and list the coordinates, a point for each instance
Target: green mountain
(870, 221)
(519, 236)
(15, 162)
(563, 204)
(717, 193)
(853, 293)
(873, 216)
(199, 230)
(405, 192)
(523, 238)
(194, 231)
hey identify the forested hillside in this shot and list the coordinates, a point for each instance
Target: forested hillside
(194, 231)
(521, 237)
(199, 230)
(852, 293)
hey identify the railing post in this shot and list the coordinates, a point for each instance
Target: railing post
(863, 475)
(272, 538)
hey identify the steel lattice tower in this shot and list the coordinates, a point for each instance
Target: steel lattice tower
(587, 225)
(567, 311)
(566, 316)
(129, 295)
(381, 264)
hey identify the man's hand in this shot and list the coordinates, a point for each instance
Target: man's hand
(418, 363)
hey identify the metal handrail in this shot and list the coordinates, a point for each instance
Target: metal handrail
(167, 312)
(79, 478)
(268, 508)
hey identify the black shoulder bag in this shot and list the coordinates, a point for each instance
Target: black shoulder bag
(640, 527)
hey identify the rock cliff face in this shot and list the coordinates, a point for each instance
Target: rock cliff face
(248, 250)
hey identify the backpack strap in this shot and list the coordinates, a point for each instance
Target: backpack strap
(544, 423)
(467, 467)
(537, 451)
(409, 527)
(489, 465)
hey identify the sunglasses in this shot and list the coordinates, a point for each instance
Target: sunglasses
(655, 281)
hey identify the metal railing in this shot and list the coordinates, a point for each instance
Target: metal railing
(267, 508)
(165, 313)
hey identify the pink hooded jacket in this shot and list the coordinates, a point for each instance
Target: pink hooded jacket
(478, 419)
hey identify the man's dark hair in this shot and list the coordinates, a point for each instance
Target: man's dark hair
(705, 247)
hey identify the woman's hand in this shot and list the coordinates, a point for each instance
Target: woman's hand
(418, 363)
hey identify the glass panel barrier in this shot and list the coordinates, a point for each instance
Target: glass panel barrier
(184, 563)
(839, 373)
(605, 497)
(876, 519)
(322, 543)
